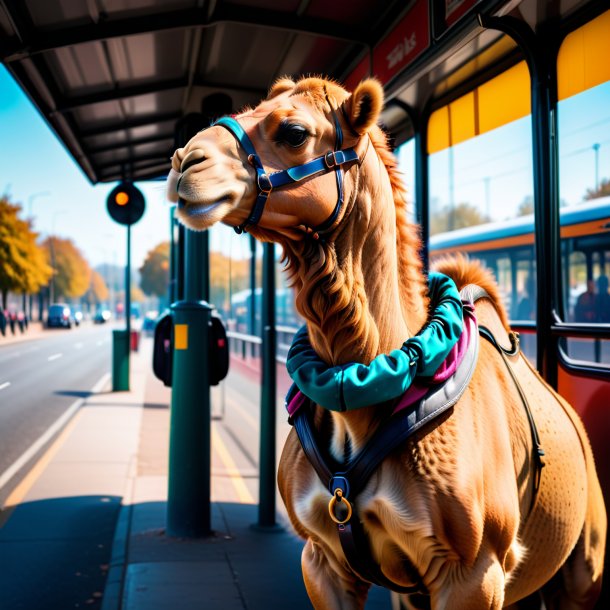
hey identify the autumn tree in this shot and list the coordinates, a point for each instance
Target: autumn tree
(23, 266)
(98, 290)
(227, 276)
(601, 191)
(154, 272)
(526, 207)
(449, 218)
(71, 271)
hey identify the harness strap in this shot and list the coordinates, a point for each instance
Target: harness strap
(537, 451)
(346, 484)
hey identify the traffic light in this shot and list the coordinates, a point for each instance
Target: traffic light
(125, 203)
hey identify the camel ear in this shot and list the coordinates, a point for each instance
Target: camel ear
(365, 105)
(280, 86)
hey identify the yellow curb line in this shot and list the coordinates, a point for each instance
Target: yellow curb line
(243, 493)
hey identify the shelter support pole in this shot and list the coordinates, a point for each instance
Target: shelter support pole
(422, 197)
(266, 506)
(252, 311)
(173, 259)
(538, 54)
(188, 503)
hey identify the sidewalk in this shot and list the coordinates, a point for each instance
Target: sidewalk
(33, 331)
(103, 484)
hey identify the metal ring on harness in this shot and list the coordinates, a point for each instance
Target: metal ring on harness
(338, 497)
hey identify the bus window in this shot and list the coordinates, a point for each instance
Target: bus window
(405, 154)
(583, 118)
(481, 186)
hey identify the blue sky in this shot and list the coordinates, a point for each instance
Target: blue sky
(39, 173)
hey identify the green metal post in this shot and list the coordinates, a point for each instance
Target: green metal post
(252, 312)
(188, 509)
(188, 500)
(266, 506)
(171, 295)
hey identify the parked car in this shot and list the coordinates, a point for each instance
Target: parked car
(60, 316)
(101, 317)
(149, 322)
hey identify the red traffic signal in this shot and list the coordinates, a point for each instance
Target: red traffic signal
(125, 203)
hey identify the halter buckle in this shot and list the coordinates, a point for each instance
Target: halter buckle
(330, 159)
(264, 183)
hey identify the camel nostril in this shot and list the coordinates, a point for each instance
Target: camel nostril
(190, 163)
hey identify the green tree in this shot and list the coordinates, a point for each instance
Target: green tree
(601, 191)
(23, 266)
(154, 272)
(460, 216)
(72, 273)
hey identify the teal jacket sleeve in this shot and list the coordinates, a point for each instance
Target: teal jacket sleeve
(388, 376)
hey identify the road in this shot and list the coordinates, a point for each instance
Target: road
(40, 380)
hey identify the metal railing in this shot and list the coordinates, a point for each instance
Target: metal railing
(244, 345)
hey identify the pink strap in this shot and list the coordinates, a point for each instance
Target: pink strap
(419, 389)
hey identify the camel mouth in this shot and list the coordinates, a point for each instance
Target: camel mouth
(195, 210)
(201, 216)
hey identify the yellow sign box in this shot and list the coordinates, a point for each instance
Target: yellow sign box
(181, 336)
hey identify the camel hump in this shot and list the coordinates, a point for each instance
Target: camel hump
(463, 271)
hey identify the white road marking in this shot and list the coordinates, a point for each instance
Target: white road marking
(57, 425)
(54, 357)
(5, 385)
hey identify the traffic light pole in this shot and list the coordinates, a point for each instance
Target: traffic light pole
(128, 295)
(121, 339)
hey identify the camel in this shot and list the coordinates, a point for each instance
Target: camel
(459, 516)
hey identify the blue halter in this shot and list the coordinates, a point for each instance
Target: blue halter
(265, 183)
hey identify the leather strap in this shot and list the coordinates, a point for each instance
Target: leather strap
(333, 160)
(537, 450)
(390, 434)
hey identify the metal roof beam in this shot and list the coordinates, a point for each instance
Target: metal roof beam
(129, 161)
(121, 93)
(94, 150)
(149, 170)
(32, 43)
(143, 121)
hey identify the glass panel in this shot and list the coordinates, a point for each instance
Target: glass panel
(481, 204)
(406, 164)
(583, 118)
(588, 350)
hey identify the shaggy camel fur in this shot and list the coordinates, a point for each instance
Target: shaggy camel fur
(452, 503)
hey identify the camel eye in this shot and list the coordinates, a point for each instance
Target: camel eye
(293, 134)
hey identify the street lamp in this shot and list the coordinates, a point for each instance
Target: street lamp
(30, 201)
(33, 196)
(596, 151)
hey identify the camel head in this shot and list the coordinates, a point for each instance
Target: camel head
(215, 177)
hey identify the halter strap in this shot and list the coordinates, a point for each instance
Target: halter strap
(266, 182)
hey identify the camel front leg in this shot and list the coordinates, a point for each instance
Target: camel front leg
(479, 587)
(328, 589)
